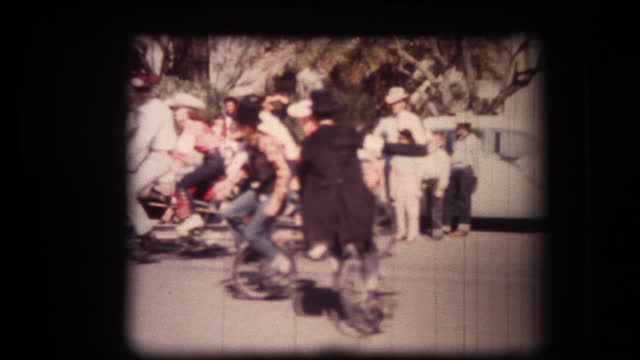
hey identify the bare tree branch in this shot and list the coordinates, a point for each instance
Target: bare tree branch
(470, 73)
(436, 51)
(516, 79)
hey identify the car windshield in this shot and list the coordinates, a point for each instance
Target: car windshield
(507, 144)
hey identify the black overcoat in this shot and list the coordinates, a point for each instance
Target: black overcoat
(337, 206)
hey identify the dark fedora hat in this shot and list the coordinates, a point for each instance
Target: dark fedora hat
(248, 113)
(323, 101)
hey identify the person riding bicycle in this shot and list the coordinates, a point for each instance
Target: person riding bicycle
(266, 177)
(337, 205)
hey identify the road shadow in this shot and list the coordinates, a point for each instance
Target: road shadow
(206, 252)
(235, 293)
(309, 300)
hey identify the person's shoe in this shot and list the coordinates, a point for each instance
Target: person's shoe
(400, 238)
(317, 251)
(463, 230)
(437, 234)
(281, 264)
(190, 223)
(334, 264)
(446, 229)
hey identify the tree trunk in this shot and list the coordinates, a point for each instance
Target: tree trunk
(469, 70)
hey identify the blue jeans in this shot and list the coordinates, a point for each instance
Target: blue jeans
(258, 230)
(457, 197)
(212, 167)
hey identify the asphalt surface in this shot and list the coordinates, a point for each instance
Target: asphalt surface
(479, 295)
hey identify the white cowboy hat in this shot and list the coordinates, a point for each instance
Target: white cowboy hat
(183, 99)
(395, 94)
(466, 117)
(300, 109)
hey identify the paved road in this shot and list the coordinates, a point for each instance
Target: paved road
(475, 295)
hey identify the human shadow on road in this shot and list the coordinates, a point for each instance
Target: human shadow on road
(309, 300)
(206, 252)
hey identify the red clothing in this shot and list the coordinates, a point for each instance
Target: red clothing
(198, 136)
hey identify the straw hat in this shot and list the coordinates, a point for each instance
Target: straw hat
(396, 94)
(300, 109)
(183, 99)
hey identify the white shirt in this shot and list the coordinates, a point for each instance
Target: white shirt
(437, 166)
(407, 165)
(390, 126)
(466, 152)
(156, 131)
(271, 124)
(230, 124)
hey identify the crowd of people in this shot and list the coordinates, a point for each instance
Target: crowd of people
(249, 158)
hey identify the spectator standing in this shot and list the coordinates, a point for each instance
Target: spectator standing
(464, 165)
(436, 169)
(388, 129)
(149, 149)
(230, 108)
(404, 183)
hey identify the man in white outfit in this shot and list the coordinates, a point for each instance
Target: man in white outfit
(404, 182)
(148, 151)
(389, 128)
(400, 119)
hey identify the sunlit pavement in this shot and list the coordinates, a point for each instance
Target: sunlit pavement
(481, 294)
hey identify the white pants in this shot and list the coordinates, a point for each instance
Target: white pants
(153, 167)
(406, 192)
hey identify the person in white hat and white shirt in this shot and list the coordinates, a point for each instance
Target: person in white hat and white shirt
(464, 168)
(148, 150)
(400, 119)
(389, 128)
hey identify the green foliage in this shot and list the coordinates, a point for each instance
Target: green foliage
(359, 69)
(357, 108)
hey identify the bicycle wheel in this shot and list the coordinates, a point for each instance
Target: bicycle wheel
(254, 281)
(362, 310)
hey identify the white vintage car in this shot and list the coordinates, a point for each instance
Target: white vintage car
(511, 177)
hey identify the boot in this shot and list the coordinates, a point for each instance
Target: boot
(190, 223)
(183, 206)
(463, 230)
(281, 264)
(317, 251)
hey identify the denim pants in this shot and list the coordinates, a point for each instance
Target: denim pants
(457, 198)
(435, 207)
(212, 167)
(258, 230)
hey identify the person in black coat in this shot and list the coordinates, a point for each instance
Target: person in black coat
(337, 206)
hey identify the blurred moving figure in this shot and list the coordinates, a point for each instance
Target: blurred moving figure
(337, 206)
(266, 178)
(149, 149)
